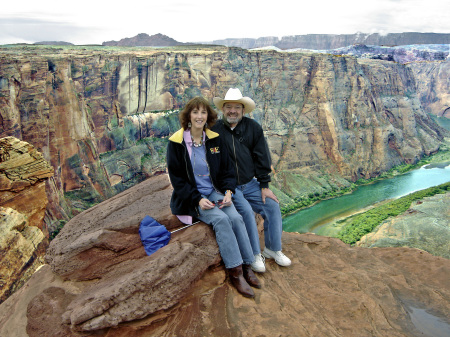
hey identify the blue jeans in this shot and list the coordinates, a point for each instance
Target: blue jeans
(231, 234)
(248, 201)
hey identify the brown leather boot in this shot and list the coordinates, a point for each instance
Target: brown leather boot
(250, 276)
(238, 281)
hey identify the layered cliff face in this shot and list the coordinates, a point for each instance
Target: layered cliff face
(102, 117)
(23, 172)
(432, 78)
(23, 201)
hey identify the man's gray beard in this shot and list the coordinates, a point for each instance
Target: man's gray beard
(233, 120)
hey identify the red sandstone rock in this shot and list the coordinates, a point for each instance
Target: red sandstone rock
(331, 289)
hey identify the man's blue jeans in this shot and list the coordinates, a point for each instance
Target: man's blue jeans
(231, 234)
(248, 201)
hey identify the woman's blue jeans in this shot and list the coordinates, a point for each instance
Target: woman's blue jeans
(248, 201)
(231, 234)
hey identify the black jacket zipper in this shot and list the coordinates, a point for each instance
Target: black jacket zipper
(235, 160)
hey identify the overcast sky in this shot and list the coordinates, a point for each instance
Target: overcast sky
(97, 21)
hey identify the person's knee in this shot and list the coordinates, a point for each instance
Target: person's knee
(247, 214)
(221, 221)
(236, 218)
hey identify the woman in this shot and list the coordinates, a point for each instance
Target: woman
(203, 184)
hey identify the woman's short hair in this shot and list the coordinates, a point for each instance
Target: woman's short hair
(196, 103)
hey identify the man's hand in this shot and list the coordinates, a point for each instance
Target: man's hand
(267, 193)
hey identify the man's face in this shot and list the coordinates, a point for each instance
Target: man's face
(233, 112)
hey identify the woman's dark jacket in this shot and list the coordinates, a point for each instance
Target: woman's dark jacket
(185, 196)
(248, 149)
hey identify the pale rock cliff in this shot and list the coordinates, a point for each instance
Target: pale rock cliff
(100, 282)
(102, 117)
(23, 248)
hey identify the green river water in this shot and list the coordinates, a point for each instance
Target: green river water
(326, 212)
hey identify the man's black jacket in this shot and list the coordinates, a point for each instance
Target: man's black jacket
(248, 149)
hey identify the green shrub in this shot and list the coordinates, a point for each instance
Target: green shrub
(57, 230)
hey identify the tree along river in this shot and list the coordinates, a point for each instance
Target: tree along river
(317, 217)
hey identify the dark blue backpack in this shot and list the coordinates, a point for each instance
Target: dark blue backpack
(153, 235)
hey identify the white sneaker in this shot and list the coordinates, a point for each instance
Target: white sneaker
(279, 257)
(258, 264)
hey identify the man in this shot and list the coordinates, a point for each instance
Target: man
(251, 158)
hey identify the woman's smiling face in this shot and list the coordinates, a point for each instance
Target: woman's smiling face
(199, 116)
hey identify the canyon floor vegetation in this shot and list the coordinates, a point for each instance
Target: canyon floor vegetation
(358, 225)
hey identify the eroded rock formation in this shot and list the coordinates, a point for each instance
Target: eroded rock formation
(23, 172)
(23, 234)
(22, 248)
(101, 283)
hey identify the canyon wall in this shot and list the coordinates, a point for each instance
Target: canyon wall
(101, 117)
(433, 83)
(432, 78)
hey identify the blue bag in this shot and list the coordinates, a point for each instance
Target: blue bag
(153, 235)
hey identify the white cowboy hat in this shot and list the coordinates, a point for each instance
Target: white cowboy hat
(234, 95)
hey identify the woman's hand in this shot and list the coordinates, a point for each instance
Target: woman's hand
(226, 200)
(205, 204)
